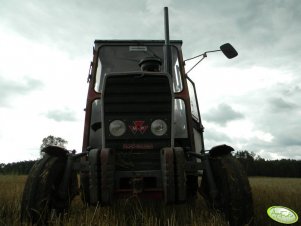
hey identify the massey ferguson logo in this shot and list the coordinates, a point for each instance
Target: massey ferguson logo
(138, 126)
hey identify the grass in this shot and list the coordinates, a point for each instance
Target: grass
(269, 192)
(11, 188)
(266, 192)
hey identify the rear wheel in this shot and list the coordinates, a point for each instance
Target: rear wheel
(235, 197)
(40, 195)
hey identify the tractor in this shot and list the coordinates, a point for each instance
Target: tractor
(143, 136)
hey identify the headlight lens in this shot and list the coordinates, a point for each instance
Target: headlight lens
(117, 128)
(159, 127)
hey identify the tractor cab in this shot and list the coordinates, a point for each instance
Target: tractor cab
(139, 69)
(137, 110)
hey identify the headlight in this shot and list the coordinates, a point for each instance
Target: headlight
(159, 127)
(117, 128)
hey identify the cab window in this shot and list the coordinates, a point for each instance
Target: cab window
(126, 58)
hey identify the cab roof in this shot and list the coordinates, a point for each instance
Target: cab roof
(98, 43)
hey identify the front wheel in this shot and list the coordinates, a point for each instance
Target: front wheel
(235, 197)
(40, 195)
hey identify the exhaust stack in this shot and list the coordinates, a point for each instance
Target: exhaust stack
(167, 49)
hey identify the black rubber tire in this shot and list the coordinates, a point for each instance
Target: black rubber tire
(40, 192)
(235, 196)
(180, 175)
(168, 175)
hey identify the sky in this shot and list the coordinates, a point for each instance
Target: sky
(251, 102)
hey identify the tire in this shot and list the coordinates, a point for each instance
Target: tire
(235, 197)
(40, 192)
(168, 175)
(180, 175)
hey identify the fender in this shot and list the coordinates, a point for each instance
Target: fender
(220, 150)
(55, 151)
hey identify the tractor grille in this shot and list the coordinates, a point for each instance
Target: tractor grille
(137, 99)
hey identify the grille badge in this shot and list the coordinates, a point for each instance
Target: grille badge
(138, 126)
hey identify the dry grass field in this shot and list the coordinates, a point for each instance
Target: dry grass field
(266, 192)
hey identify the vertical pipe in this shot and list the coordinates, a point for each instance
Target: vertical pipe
(166, 25)
(167, 55)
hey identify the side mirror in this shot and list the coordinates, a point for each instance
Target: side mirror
(228, 50)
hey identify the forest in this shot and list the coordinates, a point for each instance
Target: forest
(257, 166)
(253, 164)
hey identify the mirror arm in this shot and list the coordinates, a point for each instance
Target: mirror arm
(205, 53)
(194, 57)
(204, 56)
(212, 51)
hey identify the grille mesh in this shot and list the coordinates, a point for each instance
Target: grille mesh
(137, 97)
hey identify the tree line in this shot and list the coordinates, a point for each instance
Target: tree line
(23, 167)
(253, 164)
(17, 168)
(258, 166)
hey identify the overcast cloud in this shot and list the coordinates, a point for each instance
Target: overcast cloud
(251, 102)
(222, 114)
(61, 115)
(10, 88)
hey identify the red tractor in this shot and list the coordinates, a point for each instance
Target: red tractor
(143, 136)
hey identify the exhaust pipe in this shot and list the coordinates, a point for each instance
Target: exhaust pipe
(167, 49)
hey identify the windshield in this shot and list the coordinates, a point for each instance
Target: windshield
(126, 58)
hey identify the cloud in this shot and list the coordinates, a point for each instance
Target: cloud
(276, 112)
(260, 87)
(222, 114)
(279, 104)
(75, 25)
(61, 115)
(271, 26)
(213, 137)
(290, 138)
(10, 89)
(244, 23)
